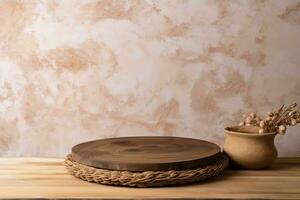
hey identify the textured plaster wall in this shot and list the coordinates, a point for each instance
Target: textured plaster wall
(76, 70)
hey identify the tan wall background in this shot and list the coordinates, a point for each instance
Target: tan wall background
(72, 71)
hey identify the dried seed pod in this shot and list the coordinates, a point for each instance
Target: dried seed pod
(252, 115)
(262, 124)
(276, 115)
(248, 120)
(293, 122)
(282, 128)
(261, 131)
(270, 114)
(293, 105)
(292, 113)
(269, 118)
(242, 124)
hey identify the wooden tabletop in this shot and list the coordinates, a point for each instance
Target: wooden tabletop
(46, 178)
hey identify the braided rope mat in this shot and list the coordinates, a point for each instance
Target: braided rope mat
(146, 178)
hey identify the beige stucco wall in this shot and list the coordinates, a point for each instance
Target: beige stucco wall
(72, 71)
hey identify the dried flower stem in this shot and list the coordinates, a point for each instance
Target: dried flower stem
(276, 121)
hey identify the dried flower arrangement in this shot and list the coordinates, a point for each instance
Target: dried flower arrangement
(276, 121)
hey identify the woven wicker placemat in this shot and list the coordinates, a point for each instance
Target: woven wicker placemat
(146, 178)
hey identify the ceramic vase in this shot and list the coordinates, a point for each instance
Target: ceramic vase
(247, 149)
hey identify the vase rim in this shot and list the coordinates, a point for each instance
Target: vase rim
(250, 131)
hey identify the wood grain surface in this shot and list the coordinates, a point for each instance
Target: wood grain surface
(150, 153)
(46, 178)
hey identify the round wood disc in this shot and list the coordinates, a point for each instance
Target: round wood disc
(150, 153)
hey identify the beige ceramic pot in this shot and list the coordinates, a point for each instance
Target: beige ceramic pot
(248, 149)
